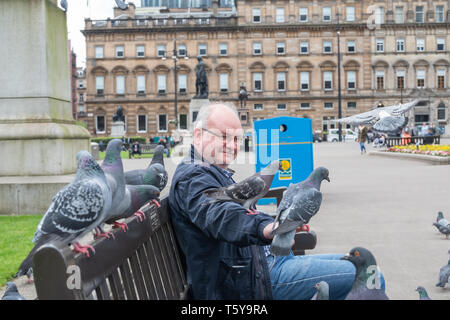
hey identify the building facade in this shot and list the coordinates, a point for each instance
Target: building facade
(284, 52)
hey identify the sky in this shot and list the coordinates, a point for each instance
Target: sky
(77, 11)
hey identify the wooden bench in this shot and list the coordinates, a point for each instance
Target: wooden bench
(144, 263)
(145, 149)
(416, 140)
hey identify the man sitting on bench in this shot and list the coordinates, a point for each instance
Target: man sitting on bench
(136, 149)
(226, 250)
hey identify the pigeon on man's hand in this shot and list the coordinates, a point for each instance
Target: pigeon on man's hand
(423, 295)
(366, 285)
(323, 291)
(12, 293)
(76, 209)
(444, 275)
(300, 202)
(248, 191)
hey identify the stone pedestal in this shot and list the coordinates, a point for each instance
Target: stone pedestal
(194, 107)
(118, 129)
(38, 136)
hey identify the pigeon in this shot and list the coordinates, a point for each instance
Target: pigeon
(423, 295)
(439, 216)
(248, 191)
(12, 293)
(300, 202)
(155, 175)
(366, 285)
(323, 291)
(389, 120)
(443, 226)
(444, 275)
(75, 210)
(64, 5)
(121, 4)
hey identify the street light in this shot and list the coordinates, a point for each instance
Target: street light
(339, 76)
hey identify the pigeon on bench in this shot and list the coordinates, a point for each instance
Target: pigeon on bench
(323, 291)
(444, 275)
(75, 210)
(366, 285)
(12, 293)
(300, 202)
(248, 191)
(423, 295)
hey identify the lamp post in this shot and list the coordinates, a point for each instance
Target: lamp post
(339, 76)
(175, 58)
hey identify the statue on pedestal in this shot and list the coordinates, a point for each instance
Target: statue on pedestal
(118, 116)
(243, 96)
(201, 82)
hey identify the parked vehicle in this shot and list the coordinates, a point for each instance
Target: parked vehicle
(333, 135)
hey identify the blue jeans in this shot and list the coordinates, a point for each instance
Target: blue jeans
(294, 277)
(362, 146)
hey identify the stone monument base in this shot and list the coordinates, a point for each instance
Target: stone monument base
(118, 129)
(194, 107)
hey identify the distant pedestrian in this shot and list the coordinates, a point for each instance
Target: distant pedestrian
(101, 146)
(362, 138)
(136, 149)
(344, 132)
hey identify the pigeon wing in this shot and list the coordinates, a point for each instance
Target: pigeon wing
(366, 118)
(390, 124)
(238, 192)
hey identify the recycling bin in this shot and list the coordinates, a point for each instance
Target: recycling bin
(289, 140)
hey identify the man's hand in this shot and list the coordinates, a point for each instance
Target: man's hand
(268, 230)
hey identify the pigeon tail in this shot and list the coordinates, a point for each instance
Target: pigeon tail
(281, 244)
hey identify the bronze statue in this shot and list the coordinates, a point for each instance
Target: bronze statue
(243, 96)
(201, 82)
(118, 116)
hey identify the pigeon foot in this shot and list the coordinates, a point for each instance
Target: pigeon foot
(304, 228)
(103, 234)
(140, 215)
(78, 248)
(121, 225)
(252, 212)
(156, 203)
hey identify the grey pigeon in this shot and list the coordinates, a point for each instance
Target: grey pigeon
(248, 191)
(443, 226)
(439, 216)
(155, 175)
(323, 291)
(365, 285)
(64, 5)
(121, 4)
(75, 210)
(423, 295)
(300, 202)
(12, 293)
(444, 275)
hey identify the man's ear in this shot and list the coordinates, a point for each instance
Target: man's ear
(197, 135)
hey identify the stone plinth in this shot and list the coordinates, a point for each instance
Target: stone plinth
(194, 107)
(118, 129)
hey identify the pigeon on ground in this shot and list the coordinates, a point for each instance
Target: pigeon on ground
(300, 202)
(12, 293)
(155, 175)
(366, 285)
(444, 275)
(248, 191)
(387, 120)
(423, 295)
(443, 226)
(121, 4)
(323, 291)
(64, 5)
(439, 216)
(76, 209)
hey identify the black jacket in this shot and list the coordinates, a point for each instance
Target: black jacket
(221, 242)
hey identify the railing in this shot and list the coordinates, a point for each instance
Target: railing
(416, 140)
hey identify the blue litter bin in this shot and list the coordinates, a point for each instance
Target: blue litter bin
(291, 141)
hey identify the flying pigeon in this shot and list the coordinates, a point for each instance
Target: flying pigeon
(75, 210)
(64, 5)
(443, 226)
(12, 293)
(365, 285)
(300, 202)
(423, 295)
(121, 4)
(248, 191)
(323, 291)
(444, 275)
(387, 120)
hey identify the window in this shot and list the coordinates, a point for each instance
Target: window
(380, 79)
(350, 14)
(281, 106)
(351, 46)
(100, 84)
(401, 79)
(351, 80)
(399, 15)
(279, 15)
(98, 52)
(420, 78)
(257, 81)
(380, 45)
(182, 50)
(100, 125)
(120, 84)
(81, 97)
(304, 80)
(257, 48)
(161, 50)
(280, 48)
(327, 47)
(182, 83)
(441, 79)
(223, 49)
(441, 112)
(142, 123)
(119, 51)
(305, 105)
(439, 13)
(183, 121)
(326, 14)
(162, 122)
(303, 14)
(223, 79)
(420, 44)
(258, 106)
(140, 51)
(379, 15)
(328, 80)
(400, 45)
(141, 84)
(202, 50)
(419, 14)
(256, 13)
(304, 47)
(328, 105)
(351, 104)
(161, 83)
(281, 81)
(440, 44)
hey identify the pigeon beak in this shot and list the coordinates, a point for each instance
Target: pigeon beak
(346, 257)
(328, 179)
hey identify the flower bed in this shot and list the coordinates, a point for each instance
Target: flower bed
(432, 150)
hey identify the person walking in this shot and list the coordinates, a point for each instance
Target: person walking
(362, 138)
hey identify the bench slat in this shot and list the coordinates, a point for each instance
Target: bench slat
(160, 259)
(116, 286)
(175, 280)
(155, 272)
(128, 281)
(152, 290)
(103, 291)
(138, 277)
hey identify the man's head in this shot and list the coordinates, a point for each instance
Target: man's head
(218, 133)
